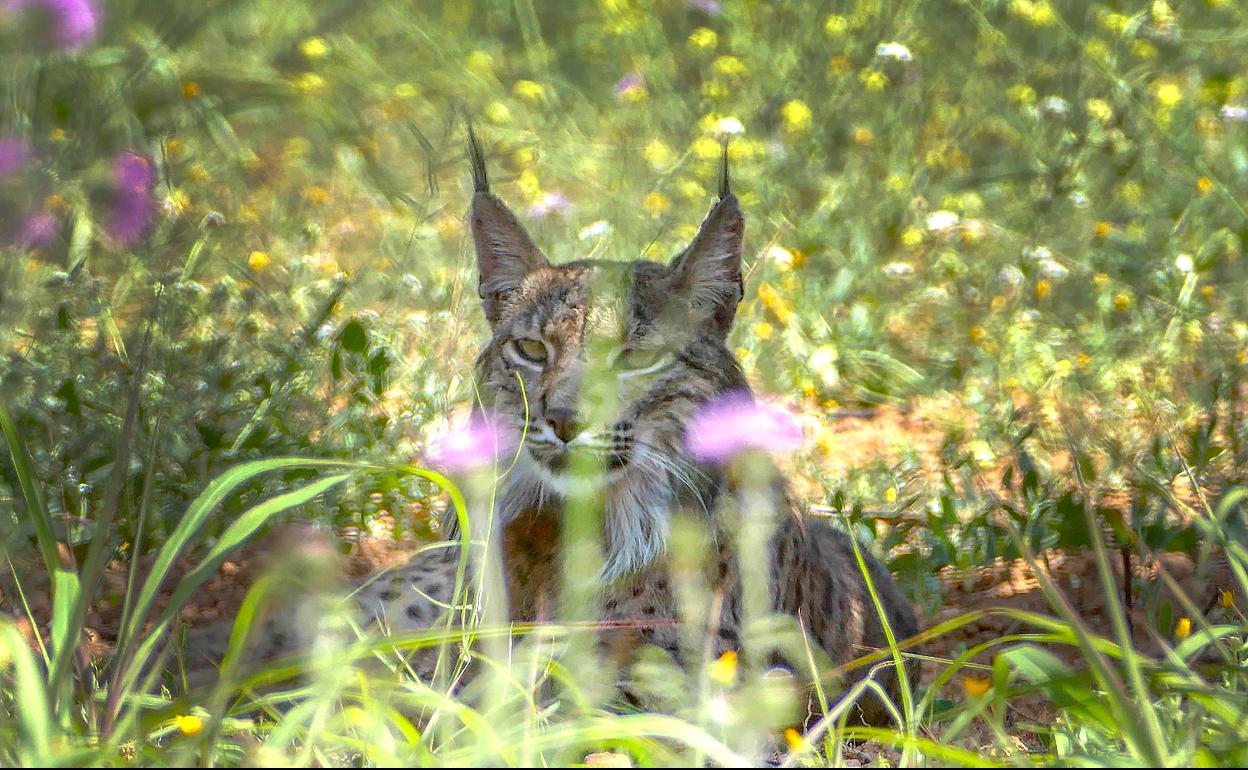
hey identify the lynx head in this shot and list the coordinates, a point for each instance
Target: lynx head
(601, 364)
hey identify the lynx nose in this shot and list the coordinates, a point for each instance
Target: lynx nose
(566, 423)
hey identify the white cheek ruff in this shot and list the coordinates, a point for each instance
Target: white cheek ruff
(637, 509)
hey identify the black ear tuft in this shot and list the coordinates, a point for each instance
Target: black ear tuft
(480, 181)
(723, 174)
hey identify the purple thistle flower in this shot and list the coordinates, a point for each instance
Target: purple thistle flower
(552, 202)
(37, 231)
(133, 207)
(75, 22)
(628, 83)
(734, 423)
(480, 442)
(14, 153)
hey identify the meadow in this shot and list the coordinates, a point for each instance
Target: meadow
(994, 265)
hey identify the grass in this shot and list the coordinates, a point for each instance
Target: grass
(1012, 231)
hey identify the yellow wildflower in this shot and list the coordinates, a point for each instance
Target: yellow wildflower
(974, 687)
(1228, 599)
(1100, 281)
(1021, 93)
(978, 334)
(258, 261)
(309, 83)
(724, 669)
(188, 724)
(658, 154)
(405, 91)
(1043, 288)
(1122, 302)
(1099, 110)
(864, 137)
(797, 116)
(656, 203)
(57, 135)
(1207, 291)
(355, 716)
(529, 90)
(314, 48)
(1132, 192)
(890, 495)
(1204, 185)
(1102, 229)
(177, 202)
(911, 237)
(480, 63)
(190, 89)
(793, 738)
(1168, 94)
(873, 80)
(1183, 628)
(706, 147)
(529, 184)
(54, 202)
(730, 66)
(835, 26)
(703, 38)
(839, 65)
(764, 330)
(497, 112)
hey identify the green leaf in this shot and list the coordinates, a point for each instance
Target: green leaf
(353, 337)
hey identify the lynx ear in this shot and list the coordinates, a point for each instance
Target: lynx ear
(708, 271)
(505, 252)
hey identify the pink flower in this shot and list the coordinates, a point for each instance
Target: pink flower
(37, 231)
(734, 423)
(75, 22)
(133, 207)
(628, 83)
(552, 202)
(481, 442)
(13, 155)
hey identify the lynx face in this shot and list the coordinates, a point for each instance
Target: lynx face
(606, 362)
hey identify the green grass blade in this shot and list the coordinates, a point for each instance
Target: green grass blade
(31, 494)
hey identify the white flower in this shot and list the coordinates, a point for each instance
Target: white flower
(781, 256)
(898, 270)
(895, 51)
(1053, 270)
(1055, 105)
(1011, 276)
(935, 294)
(730, 126)
(1235, 113)
(1079, 199)
(1037, 253)
(941, 221)
(594, 230)
(1184, 264)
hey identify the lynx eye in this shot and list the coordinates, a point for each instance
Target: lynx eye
(637, 359)
(531, 350)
